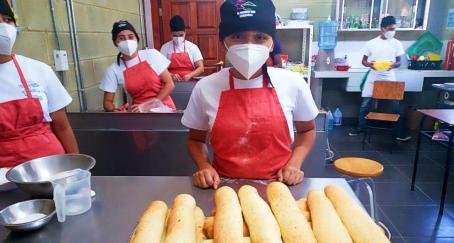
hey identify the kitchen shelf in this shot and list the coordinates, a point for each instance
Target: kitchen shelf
(296, 42)
(413, 14)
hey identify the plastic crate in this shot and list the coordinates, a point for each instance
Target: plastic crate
(424, 65)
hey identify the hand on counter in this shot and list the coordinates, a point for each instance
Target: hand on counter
(187, 77)
(290, 175)
(176, 77)
(206, 177)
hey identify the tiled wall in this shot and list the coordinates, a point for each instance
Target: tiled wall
(94, 19)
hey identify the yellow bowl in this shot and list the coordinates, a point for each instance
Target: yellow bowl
(382, 65)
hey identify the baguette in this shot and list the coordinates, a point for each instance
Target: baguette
(258, 216)
(199, 222)
(245, 240)
(228, 221)
(326, 224)
(359, 224)
(302, 205)
(150, 228)
(208, 228)
(294, 226)
(181, 223)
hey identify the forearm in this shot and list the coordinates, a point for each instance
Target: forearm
(199, 153)
(66, 136)
(109, 106)
(199, 70)
(166, 90)
(302, 146)
(396, 64)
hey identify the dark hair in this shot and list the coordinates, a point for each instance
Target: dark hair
(387, 21)
(177, 24)
(266, 75)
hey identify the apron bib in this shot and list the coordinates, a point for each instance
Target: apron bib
(250, 136)
(142, 83)
(23, 133)
(180, 63)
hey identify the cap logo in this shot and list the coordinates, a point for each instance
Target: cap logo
(245, 8)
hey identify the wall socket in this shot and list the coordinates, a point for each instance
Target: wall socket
(61, 60)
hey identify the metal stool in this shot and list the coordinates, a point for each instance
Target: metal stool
(362, 170)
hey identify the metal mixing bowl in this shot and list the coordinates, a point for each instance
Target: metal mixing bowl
(33, 176)
(19, 216)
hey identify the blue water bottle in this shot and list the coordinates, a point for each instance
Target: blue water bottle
(330, 118)
(337, 117)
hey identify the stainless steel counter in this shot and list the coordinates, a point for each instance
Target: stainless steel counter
(120, 201)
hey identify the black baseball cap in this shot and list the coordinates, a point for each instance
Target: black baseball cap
(120, 26)
(247, 15)
(177, 23)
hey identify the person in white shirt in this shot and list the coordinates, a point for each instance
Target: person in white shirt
(249, 110)
(143, 74)
(382, 48)
(186, 61)
(33, 121)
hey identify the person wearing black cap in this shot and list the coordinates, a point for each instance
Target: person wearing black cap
(388, 49)
(186, 61)
(143, 74)
(33, 122)
(250, 110)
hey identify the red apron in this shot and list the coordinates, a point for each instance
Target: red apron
(142, 84)
(180, 63)
(24, 135)
(250, 135)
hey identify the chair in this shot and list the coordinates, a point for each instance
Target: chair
(384, 90)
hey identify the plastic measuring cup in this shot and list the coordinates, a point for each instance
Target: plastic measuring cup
(72, 193)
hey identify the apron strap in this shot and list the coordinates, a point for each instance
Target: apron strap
(232, 83)
(184, 46)
(126, 65)
(22, 77)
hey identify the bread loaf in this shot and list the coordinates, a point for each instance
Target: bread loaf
(360, 225)
(228, 221)
(326, 224)
(245, 240)
(294, 226)
(150, 228)
(302, 205)
(181, 226)
(262, 225)
(199, 222)
(208, 228)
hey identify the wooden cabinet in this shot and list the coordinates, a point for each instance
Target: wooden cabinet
(365, 15)
(202, 27)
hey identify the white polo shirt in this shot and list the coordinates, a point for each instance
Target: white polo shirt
(292, 91)
(41, 80)
(191, 48)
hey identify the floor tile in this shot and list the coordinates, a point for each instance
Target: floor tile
(433, 190)
(399, 194)
(425, 173)
(419, 221)
(427, 240)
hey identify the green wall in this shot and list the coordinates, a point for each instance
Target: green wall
(94, 19)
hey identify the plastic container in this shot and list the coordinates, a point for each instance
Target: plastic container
(337, 115)
(426, 43)
(424, 65)
(330, 118)
(327, 35)
(72, 193)
(154, 105)
(342, 68)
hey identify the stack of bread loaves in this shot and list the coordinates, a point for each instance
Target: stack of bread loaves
(325, 216)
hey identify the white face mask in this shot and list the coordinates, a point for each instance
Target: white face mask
(128, 47)
(390, 34)
(178, 40)
(248, 58)
(7, 38)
